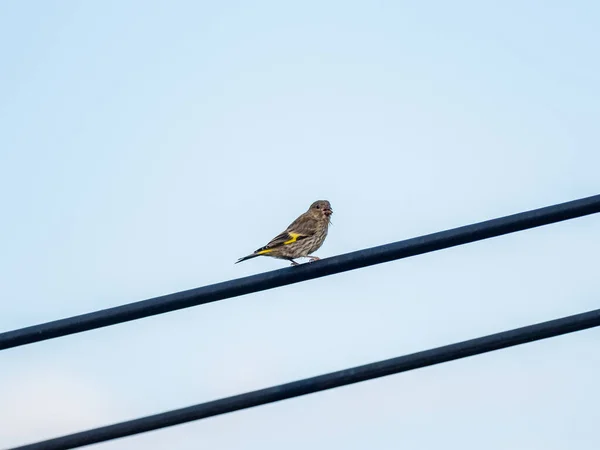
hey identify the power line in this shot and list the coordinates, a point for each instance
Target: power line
(332, 380)
(283, 277)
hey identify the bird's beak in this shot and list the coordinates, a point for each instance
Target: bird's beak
(328, 212)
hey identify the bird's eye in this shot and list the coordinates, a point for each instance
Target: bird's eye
(318, 207)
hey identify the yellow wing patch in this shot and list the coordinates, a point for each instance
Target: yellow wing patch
(294, 238)
(262, 252)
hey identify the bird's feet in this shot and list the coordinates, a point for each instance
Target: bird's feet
(294, 263)
(314, 258)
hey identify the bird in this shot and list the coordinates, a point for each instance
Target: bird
(304, 236)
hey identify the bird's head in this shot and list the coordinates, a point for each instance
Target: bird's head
(321, 208)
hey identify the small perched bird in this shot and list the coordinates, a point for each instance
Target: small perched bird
(304, 236)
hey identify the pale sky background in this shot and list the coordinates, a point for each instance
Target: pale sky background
(146, 145)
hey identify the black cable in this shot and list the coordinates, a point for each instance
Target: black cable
(290, 275)
(405, 363)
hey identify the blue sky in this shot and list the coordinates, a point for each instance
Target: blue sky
(145, 146)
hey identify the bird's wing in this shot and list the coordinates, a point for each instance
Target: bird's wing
(303, 227)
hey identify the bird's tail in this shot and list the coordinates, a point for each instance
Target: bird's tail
(253, 255)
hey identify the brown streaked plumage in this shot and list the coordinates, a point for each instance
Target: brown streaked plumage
(304, 236)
